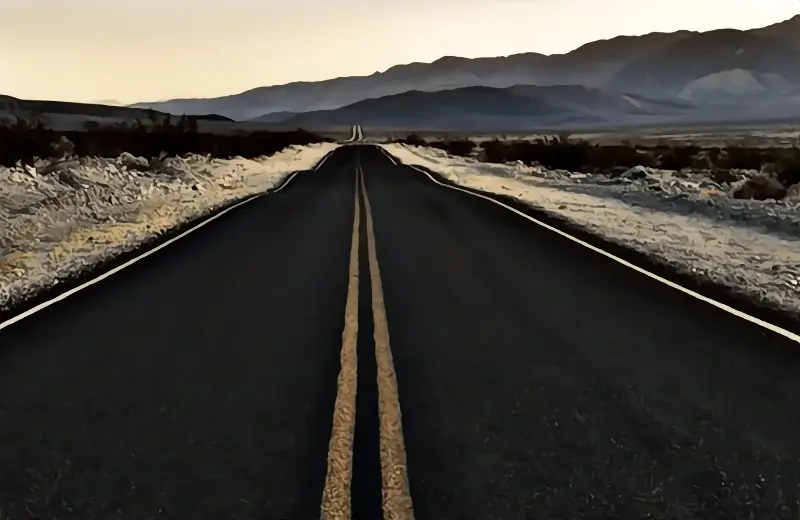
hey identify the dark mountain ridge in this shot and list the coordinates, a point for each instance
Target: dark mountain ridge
(491, 108)
(14, 105)
(623, 64)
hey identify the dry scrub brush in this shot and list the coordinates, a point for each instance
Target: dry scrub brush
(577, 155)
(24, 142)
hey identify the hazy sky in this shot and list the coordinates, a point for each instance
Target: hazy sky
(146, 50)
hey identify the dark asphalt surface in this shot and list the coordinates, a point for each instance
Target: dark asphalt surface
(537, 379)
(196, 384)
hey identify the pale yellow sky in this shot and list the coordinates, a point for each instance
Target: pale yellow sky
(146, 50)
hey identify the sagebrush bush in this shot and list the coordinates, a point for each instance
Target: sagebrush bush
(412, 139)
(461, 148)
(23, 142)
(560, 153)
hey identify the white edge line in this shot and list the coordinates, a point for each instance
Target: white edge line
(317, 167)
(387, 154)
(67, 294)
(739, 314)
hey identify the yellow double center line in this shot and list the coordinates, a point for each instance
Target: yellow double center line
(395, 492)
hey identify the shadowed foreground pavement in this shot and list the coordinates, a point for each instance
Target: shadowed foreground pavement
(198, 383)
(537, 379)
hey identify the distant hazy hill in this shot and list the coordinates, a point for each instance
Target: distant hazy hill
(726, 59)
(626, 63)
(787, 32)
(108, 102)
(14, 106)
(489, 108)
(274, 117)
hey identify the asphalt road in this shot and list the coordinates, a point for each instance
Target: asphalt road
(536, 379)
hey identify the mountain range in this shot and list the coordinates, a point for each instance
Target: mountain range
(684, 74)
(492, 109)
(66, 115)
(680, 77)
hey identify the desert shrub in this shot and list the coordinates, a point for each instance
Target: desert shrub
(548, 152)
(677, 158)
(615, 156)
(462, 147)
(787, 167)
(23, 142)
(495, 151)
(742, 158)
(555, 153)
(412, 139)
(560, 155)
(784, 163)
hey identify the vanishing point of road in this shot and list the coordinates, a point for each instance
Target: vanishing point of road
(368, 344)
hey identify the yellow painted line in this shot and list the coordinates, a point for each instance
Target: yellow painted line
(395, 490)
(336, 496)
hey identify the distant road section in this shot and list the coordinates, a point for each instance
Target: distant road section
(484, 367)
(356, 134)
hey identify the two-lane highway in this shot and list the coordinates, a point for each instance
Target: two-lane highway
(368, 340)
